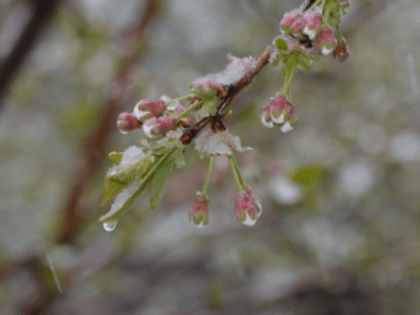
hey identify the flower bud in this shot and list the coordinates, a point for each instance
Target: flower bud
(279, 111)
(326, 41)
(342, 51)
(146, 109)
(127, 122)
(199, 212)
(312, 23)
(248, 207)
(266, 116)
(157, 127)
(207, 84)
(292, 22)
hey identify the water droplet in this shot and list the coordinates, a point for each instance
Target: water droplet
(110, 226)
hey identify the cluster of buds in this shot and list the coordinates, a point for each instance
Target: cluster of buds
(300, 24)
(305, 32)
(312, 32)
(279, 111)
(248, 207)
(156, 118)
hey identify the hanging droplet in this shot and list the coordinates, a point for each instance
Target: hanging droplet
(110, 226)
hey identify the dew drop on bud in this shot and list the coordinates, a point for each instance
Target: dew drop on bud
(110, 226)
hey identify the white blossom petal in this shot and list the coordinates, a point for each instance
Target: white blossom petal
(286, 127)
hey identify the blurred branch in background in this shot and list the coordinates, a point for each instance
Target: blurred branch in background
(42, 13)
(92, 151)
(94, 148)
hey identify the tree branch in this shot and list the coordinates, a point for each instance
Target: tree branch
(94, 149)
(42, 13)
(233, 90)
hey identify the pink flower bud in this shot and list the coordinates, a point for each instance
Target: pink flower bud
(179, 109)
(294, 45)
(266, 116)
(248, 207)
(158, 127)
(312, 23)
(326, 41)
(208, 84)
(146, 109)
(127, 122)
(199, 212)
(279, 111)
(292, 22)
(341, 51)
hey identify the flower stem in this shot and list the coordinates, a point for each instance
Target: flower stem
(180, 99)
(327, 9)
(239, 182)
(288, 81)
(208, 176)
(340, 38)
(189, 109)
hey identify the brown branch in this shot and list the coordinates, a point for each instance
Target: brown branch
(233, 90)
(42, 14)
(91, 155)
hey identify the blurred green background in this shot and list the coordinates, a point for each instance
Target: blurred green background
(339, 232)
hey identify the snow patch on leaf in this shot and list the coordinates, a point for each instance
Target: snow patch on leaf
(234, 71)
(209, 143)
(131, 155)
(120, 200)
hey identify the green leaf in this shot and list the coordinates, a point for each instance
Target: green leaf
(304, 62)
(221, 143)
(205, 95)
(208, 108)
(311, 177)
(277, 60)
(158, 181)
(123, 176)
(280, 44)
(115, 156)
(132, 192)
(290, 63)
